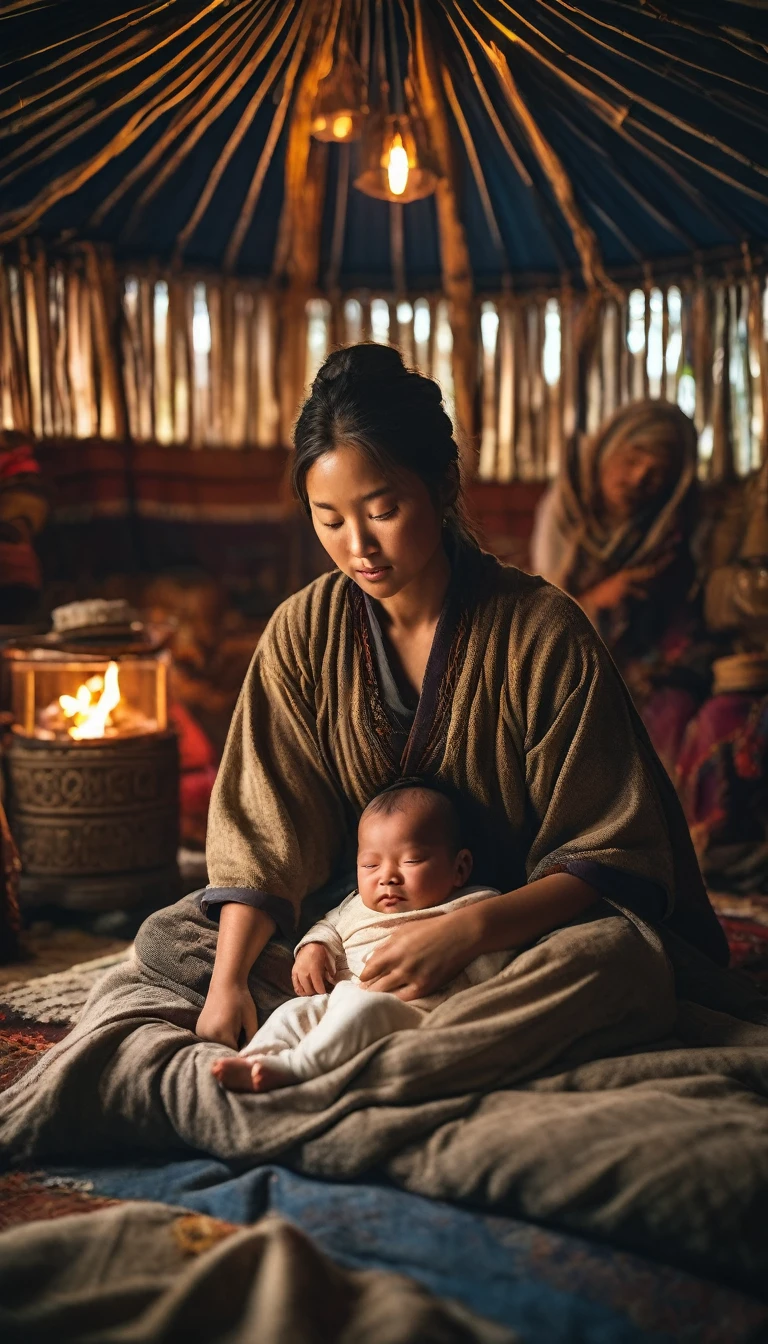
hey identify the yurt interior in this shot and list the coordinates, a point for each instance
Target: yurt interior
(383, 667)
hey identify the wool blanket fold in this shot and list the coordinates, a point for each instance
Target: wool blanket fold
(151, 1274)
(573, 1088)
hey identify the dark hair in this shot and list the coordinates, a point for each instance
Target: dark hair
(452, 816)
(365, 396)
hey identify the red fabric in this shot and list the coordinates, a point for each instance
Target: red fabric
(19, 565)
(18, 462)
(198, 774)
(722, 769)
(666, 716)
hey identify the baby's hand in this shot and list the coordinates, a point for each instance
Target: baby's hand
(314, 970)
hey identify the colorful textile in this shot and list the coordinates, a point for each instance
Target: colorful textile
(722, 774)
(198, 765)
(10, 870)
(666, 715)
(18, 461)
(548, 1287)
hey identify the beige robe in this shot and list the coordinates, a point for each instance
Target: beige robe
(536, 729)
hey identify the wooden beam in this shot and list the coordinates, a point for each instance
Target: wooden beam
(585, 240)
(296, 262)
(456, 267)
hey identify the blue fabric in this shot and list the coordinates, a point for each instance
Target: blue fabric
(551, 1288)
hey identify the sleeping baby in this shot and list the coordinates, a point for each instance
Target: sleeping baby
(410, 866)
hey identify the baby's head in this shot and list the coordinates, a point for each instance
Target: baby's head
(410, 852)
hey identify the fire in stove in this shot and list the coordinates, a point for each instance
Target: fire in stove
(97, 709)
(87, 698)
(92, 775)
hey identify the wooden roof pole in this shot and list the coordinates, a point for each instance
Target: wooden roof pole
(458, 284)
(596, 278)
(248, 208)
(297, 251)
(593, 270)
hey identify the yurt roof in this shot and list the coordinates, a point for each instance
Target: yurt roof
(596, 138)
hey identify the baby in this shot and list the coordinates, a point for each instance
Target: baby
(410, 866)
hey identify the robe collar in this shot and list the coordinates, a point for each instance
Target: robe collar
(423, 751)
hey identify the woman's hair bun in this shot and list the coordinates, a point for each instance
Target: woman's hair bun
(369, 361)
(364, 396)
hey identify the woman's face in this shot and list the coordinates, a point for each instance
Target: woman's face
(634, 475)
(383, 531)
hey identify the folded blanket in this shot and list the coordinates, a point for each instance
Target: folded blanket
(155, 1275)
(574, 1088)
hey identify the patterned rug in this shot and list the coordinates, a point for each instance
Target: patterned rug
(551, 1287)
(745, 921)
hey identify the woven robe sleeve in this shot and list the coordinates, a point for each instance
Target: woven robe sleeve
(600, 803)
(277, 822)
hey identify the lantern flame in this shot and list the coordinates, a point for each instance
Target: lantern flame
(91, 706)
(342, 126)
(397, 166)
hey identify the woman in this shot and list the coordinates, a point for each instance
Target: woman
(420, 654)
(614, 531)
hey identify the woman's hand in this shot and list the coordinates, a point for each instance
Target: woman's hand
(229, 1010)
(314, 970)
(228, 1013)
(617, 588)
(424, 956)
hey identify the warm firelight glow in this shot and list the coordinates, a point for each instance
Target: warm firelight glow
(397, 166)
(342, 126)
(91, 707)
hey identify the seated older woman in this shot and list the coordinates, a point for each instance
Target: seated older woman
(614, 531)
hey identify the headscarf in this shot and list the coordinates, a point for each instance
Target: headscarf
(577, 548)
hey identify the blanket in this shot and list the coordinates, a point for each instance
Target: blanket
(604, 1083)
(164, 1274)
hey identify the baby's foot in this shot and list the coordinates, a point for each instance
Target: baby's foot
(234, 1074)
(265, 1077)
(240, 1075)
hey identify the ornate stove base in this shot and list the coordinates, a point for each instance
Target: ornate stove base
(96, 823)
(96, 895)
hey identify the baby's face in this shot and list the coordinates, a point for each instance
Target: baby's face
(404, 861)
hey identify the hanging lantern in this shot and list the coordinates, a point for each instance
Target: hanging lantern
(338, 109)
(397, 164)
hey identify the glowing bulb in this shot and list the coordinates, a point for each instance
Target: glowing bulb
(318, 125)
(397, 166)
(342, 125)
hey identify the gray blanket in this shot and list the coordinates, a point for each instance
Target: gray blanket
(603, 1083)
(150, 1274)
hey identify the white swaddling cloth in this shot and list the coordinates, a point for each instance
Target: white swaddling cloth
(311, 1035)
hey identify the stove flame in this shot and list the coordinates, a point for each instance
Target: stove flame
(91, 707)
